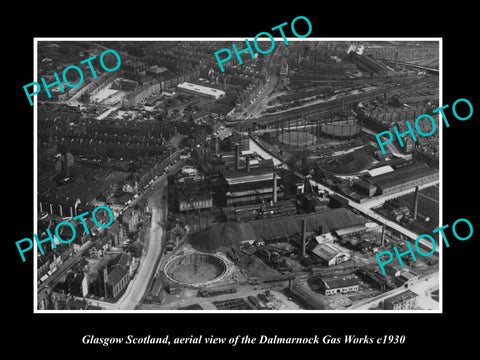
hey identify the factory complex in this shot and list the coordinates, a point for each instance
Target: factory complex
(261, 187)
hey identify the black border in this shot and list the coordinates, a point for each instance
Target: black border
(61, 334)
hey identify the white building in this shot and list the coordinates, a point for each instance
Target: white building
(201, 90)
(339, 284)
(331, 254)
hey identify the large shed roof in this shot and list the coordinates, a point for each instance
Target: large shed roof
(403, 175)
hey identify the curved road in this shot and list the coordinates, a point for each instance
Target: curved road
(138, 285)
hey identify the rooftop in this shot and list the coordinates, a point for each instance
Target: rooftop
(406, 295)
(339, 281)
(327, 251)
(402, 175)
(116, 275)
(380, 170)
(157, 69)
(201, 89)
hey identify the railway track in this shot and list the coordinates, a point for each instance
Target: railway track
(307, 112)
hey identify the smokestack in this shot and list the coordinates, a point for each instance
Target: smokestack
(237, 156)
(415, 204)
(65, 165)
(217, 145)
(383, 235)
(304, 235)
(274, 187)
(247, 163)
(306, 185)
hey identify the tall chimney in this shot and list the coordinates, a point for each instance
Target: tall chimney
(304, 235)
(247, 163)
(415, 204)
(274, 187)
(383, 235)
(237, 156)
(306, 184)
(217, 145)
(65, 165)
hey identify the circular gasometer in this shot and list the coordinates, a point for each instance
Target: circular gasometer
(340, 129)
(299, 138)
(195, 269)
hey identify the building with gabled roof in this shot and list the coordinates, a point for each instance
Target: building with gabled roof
(404, 178)
(116, 282)
(338, 284)
(331, 254)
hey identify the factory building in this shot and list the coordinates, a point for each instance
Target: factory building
(194, 201)
(350, 231)
(331, 254)
(252, 184)
(192, 192)
(200, 90)
(404, 178)
(338, 284)
(377, 280)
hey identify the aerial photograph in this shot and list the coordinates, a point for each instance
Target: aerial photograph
(258, 188)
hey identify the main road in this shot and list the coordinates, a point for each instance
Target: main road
(138, 286)
(153, 250)
(150, 257)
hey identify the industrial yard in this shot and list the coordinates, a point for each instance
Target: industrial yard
(260, 188)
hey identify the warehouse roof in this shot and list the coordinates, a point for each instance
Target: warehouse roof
(336, 282)
(201, 89)
(327, 251)
(350, 230)
(403, 175)
(380, 170)
(263, 171)
(249, 177)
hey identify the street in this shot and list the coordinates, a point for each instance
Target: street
(423, 287)
(138, 285)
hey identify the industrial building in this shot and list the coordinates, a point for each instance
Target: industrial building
(331, 254)
(406, 300)
(192, 192)
(350, 231)
(252, 184)
(306, 296)
(259, 211)
(338, 284)
(379, 281)
(404, 178)
(200, 90)
(194, 201)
